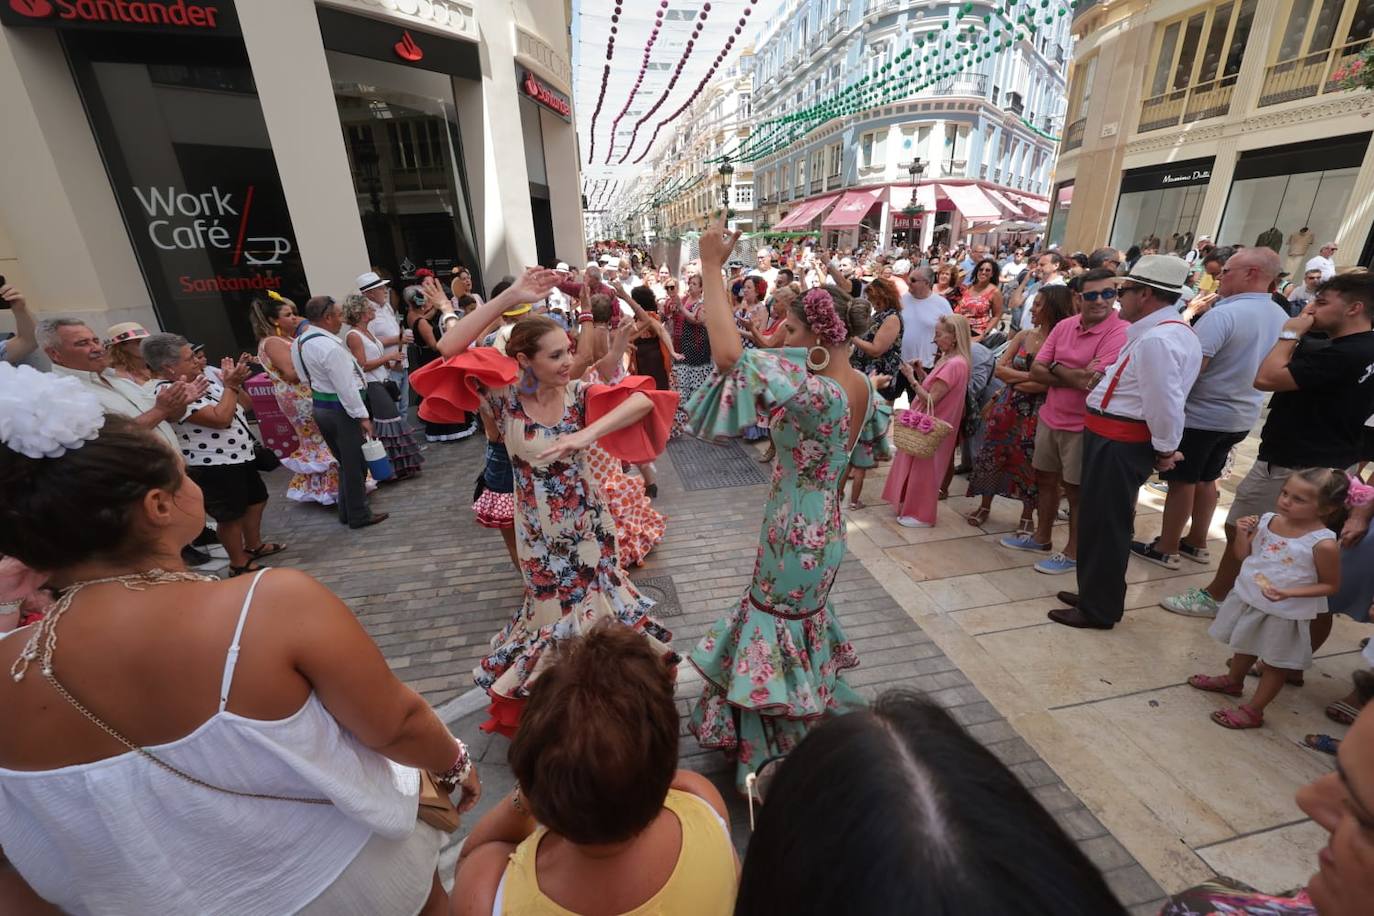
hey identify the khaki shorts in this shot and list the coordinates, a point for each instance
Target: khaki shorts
(1059, 451)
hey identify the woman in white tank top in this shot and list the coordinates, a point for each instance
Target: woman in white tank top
(282, 753)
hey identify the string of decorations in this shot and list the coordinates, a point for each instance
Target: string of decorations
(677, 72)
(939, 50)
(605, 78)
(643, 69)
(715, 65)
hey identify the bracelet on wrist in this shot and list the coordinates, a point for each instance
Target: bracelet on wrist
(462, 767)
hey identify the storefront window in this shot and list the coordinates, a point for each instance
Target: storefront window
(1059, 214)
(400, 128)
(1160, 206)
(183, 138)
(1278, 193)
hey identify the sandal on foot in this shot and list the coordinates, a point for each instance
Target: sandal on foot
(1324, 743)
(977, 517)
(857, 504)
(265, 549)
(1026, 526)
(944, 493)
(249, 567)
(1216, 683)
(1342, 712)
(1238, 718)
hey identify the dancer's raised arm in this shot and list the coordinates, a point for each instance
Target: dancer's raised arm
(533, 285)
(715, 246)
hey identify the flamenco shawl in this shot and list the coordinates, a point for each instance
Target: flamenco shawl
(453, 387)
(643, 441)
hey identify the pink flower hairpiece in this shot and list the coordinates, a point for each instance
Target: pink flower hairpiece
(822, 318)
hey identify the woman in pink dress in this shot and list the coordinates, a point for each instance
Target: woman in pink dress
(913, 484)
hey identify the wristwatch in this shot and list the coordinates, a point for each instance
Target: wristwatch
(1054, 366)
(1289, 335)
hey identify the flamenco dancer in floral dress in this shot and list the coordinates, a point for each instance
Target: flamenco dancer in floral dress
(773, 665)
(565, 535)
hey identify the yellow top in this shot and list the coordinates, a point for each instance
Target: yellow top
(1206, 283)
(702, 883)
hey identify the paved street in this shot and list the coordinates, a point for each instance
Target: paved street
(432, 587)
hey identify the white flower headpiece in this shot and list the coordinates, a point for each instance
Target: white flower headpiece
(42, 415)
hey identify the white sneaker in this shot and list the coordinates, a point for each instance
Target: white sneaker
(908, 521)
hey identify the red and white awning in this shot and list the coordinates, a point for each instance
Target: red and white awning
(970, 200)
(851, 210)
(805, 212)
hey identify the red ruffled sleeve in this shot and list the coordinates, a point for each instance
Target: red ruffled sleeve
(454, 386)
(644, 441)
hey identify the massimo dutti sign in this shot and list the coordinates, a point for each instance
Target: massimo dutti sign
(1168, 175)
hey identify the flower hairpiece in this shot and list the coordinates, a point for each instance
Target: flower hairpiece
(822, 318)
(275, 296)
(43, 415)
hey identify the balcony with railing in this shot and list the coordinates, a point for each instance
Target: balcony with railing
(965, 84)
(1073, 134)
(1304, 77)
(1184, 106)
(817, 185)
(953, 168)
(1082, 6)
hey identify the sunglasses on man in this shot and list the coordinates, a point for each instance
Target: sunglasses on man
(1106, 295)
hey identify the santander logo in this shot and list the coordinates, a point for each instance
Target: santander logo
(34, 9)
(407, 49)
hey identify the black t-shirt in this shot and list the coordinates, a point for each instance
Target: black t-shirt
(1321, 424)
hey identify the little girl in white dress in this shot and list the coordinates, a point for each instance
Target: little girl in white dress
(1290, 565)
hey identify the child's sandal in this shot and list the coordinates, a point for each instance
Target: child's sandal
(1238, 718)
(1216, 683)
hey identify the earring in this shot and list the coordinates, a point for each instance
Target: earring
(817, 365)
(528, 383)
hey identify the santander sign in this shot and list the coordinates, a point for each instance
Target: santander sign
(544, 95)
(126, 12)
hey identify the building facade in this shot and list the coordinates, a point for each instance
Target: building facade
(984, 132)
(169, 160)
(1220, 119)
(686, 183)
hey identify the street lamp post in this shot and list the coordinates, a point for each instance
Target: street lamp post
(913, 209)
(726, 170)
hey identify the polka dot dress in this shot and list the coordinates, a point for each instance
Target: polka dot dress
(203, 446)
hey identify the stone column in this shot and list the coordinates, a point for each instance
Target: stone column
(297, 97)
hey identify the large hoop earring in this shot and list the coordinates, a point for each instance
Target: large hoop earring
(817, 365)
(528, 383)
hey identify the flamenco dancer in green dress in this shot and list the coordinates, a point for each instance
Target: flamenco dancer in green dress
(773, 664)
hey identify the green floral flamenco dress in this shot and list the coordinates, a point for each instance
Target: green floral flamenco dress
(774, 664)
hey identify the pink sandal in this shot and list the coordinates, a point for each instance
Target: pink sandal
(1216, 683)
(1239, 717)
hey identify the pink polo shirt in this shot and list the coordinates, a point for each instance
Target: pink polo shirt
(1075, 346)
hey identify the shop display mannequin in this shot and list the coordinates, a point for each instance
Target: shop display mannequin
(1299, 243)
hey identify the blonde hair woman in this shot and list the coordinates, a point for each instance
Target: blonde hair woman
(913, 485)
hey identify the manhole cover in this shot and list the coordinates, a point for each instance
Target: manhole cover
(664, 594)
(702, 465)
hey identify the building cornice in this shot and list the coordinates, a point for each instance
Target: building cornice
(1355, 103)
(455, 18)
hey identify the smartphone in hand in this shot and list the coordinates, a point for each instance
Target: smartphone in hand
(4, 303)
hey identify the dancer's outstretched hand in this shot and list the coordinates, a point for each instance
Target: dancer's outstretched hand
(717, 242)
(536, 283)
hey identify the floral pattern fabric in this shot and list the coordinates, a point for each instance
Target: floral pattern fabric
(565, 539)
(1003, 464)
(314, 472)
(773, 664)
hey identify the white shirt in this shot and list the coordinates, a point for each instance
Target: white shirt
(330, 369)
(122, 397)
(1028, 307)
(203, 446)
(1157, 366)
(1322, 263)
(385, 324)
(919, 317)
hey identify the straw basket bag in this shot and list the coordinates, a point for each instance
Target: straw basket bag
(908, 435)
